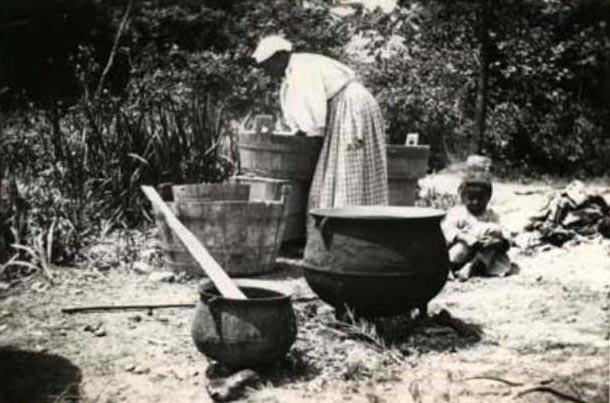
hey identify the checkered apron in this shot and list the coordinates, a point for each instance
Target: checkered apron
(351, 168)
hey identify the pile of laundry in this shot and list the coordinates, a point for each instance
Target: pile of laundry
(573, 212)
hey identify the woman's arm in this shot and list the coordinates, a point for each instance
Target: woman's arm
(303, 101)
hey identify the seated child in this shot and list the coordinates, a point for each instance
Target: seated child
(477, 243)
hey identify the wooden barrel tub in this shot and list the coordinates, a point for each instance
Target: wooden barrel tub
(262, 188)
(282, 157)
(279, 156)
(243, 236)
(406, 165)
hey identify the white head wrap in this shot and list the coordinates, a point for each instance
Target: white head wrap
(269, 45)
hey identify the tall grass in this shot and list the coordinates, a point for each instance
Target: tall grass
(149, 143)
(81, 172)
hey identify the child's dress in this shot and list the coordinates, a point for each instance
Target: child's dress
(459, 220)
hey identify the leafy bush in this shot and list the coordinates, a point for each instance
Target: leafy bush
(104, 153)
(549, 87)
(183, 76)
(426, 84)
(39, 42)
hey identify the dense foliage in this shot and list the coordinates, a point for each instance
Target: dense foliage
(551, 86)
(84, 130)
(39, 43)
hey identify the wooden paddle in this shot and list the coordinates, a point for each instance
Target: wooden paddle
(217, 275)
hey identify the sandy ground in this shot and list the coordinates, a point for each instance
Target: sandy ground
(547, 326)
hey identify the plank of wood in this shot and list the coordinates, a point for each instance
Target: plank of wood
(212, 269)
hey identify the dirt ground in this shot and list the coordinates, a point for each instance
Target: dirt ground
(546, 327)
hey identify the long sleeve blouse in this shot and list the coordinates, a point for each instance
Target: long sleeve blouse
(309, 82)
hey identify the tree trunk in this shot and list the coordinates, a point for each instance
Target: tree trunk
(482, 79)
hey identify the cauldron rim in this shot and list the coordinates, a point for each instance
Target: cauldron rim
(379, 213)
(208, 291)
(372, 275)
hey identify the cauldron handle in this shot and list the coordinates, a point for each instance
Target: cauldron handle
(326, 231)
(213, 303)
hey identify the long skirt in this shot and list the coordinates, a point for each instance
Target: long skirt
(351, 168)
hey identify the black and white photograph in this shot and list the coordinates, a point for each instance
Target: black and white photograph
(277, 201)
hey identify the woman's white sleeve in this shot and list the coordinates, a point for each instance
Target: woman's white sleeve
(304, 104)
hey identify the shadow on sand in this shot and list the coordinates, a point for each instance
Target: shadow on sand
(440, 332)
(27, 376)
(417, 334)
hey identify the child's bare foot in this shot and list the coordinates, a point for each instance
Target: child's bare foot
(464, 273)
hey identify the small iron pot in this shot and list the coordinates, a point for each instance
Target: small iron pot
(248, 333)
(376, 260)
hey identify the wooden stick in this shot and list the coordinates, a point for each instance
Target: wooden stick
(133, 307)
(540, 386)
(550, 390)
(217, 275)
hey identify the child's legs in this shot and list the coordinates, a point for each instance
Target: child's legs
(459, 254)
(492, 261)
(485, 257)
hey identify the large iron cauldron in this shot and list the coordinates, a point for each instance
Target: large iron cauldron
(377, 260)
(247, 333)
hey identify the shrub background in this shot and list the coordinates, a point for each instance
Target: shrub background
(165, 110)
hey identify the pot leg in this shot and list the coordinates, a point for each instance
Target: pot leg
(216, 370)
(341, 313)
(423, 311)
